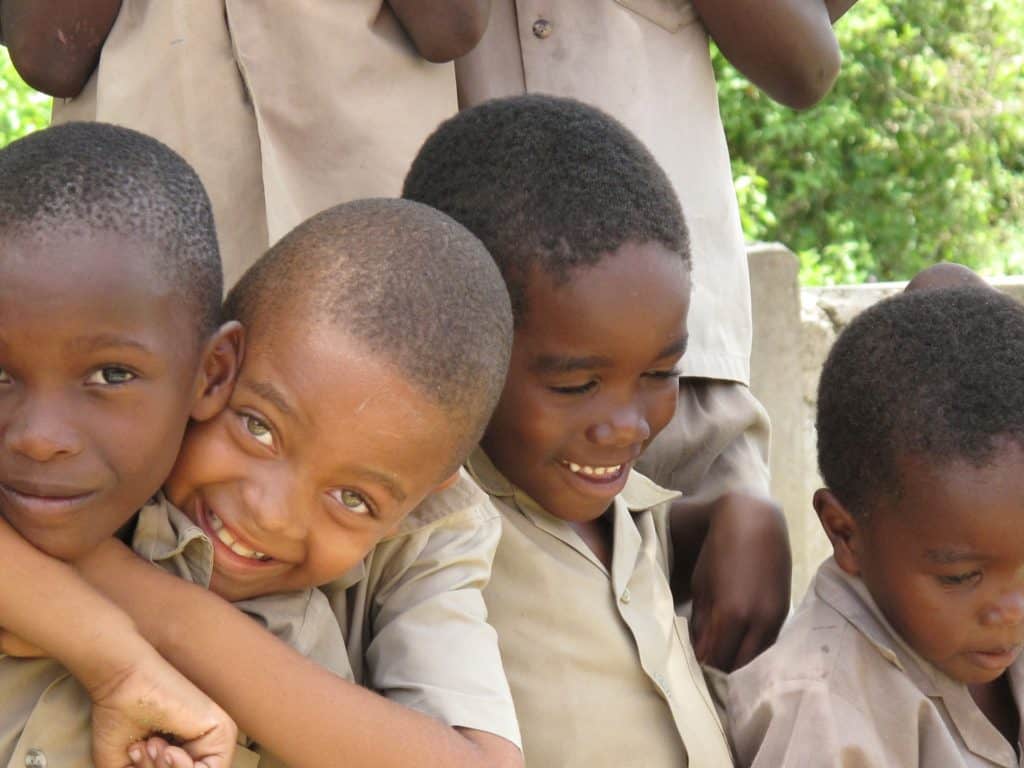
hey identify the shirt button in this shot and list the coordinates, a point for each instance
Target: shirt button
(35, 758)
(543, 28)
(625, 597)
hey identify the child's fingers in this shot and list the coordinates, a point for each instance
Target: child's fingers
(176, 757)
(143, 755)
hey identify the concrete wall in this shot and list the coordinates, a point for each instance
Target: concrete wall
(793, 331)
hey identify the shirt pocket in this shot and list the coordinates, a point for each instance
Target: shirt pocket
(671, 15)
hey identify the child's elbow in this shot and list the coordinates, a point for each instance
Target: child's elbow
(455, 39)
(44, 70)
(807, 83)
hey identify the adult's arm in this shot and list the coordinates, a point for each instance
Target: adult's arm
(443, 30)
(294, 708)
(55, 44)
(785, 47)
(732, 557)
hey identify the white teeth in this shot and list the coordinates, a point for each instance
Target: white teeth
(590, 471)
(231, 542)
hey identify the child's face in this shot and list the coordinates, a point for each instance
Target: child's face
(592, 379)
(945, 563)
(98, 375)
(321, 451)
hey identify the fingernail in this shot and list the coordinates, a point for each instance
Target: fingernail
(135, 754)
(168, 760)
(152, 750)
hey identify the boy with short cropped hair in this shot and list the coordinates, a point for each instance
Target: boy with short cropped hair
(906, 650)
(378, 335)
(110, 342)
(592, 244)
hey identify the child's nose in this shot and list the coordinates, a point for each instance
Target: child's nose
(41, 430)
(1008, 609)
(625, 426)
(272, 511)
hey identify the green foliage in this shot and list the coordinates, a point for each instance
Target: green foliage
(22, 110)
(916, 156)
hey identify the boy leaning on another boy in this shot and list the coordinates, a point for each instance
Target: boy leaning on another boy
(277, 494)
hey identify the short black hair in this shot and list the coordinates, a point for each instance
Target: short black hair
(931, 374)
(97, 177)
(409, 282)
(546, 183)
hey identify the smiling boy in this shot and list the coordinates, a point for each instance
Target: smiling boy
(906, 650)
(110, 341)
(591, 242)
(377, 339)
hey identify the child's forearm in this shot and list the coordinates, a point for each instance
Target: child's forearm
(293, 707)
(104, 642)
(55, 44)
(443, 30)
(786, 47)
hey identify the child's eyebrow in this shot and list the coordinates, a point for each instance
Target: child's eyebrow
(388, 482)
(105, 341)
(271, 394)
(562, 364)
(677, 348)
(951, 556)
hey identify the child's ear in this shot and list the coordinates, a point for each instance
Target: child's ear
(842, 530)
(218, 369)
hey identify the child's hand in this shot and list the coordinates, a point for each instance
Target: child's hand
(741, 581)
(12, 645)
(152, 697)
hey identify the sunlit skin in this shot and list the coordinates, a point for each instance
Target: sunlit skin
(944, 561)
(99, 374)
(323, 449)
(593, 379)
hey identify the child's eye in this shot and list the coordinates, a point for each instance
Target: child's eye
(111, 374)
(576, 390)
(259, 429)
(960, 579)
(351, 500)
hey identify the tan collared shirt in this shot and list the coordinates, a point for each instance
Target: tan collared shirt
(44, 712)
(601, 668)
(647, 63)
(414, 617)
(841, 689)
(283, 108)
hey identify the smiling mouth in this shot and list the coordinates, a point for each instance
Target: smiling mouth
(593, 472)
(228, 540)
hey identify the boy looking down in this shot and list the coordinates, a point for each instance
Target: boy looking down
(906, 650)
(590, 239)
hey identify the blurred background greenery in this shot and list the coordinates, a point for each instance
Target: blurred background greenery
(917, 155)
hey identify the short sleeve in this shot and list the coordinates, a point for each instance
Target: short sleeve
(801, 724)
(431, 648)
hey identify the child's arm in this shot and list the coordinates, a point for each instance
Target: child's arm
(443, 30)
(134, 691)
(732, 557)
(54, 44)
(294, 708)
(786, 47)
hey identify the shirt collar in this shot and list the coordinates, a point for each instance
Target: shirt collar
(164, 532)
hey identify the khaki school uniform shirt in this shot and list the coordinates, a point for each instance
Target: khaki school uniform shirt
(414, 618)
(647, 63)
(601, 668)
(45, 713)
(283, 107)
(840, 689)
